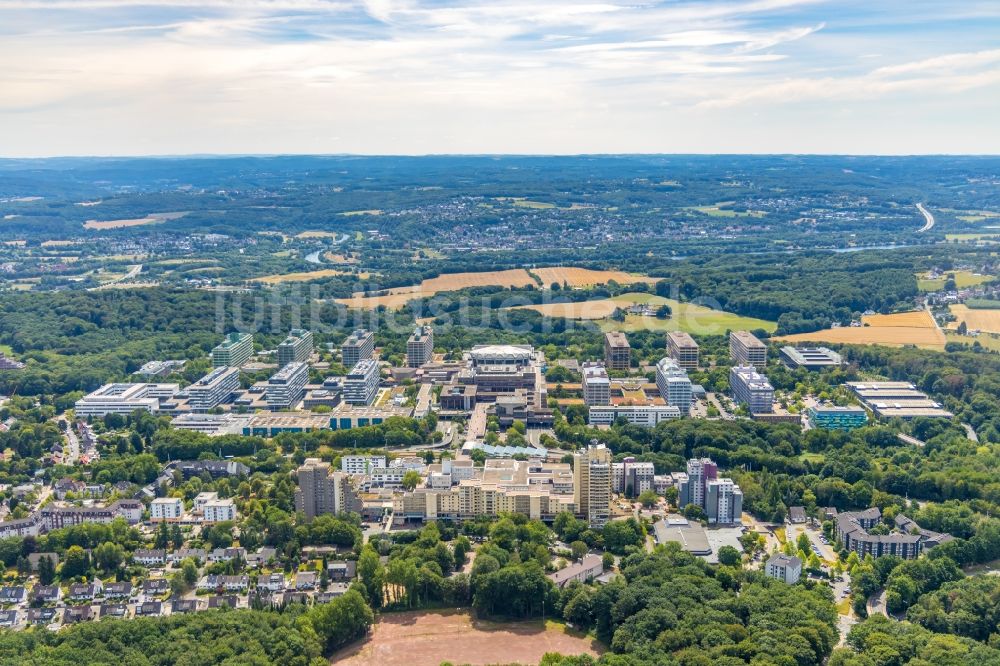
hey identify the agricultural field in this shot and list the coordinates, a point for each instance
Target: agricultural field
(977, 319)
(896, 330)
(355, 213)
(989, 341)
(152, 218)
(335, 258)
(301, 277)
(318, 234)
(399, 296)
(431, 638)
(583, 310)
(585, 277)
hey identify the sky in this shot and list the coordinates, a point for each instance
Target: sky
(170, 77)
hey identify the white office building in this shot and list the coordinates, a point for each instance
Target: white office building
(295, 348)
(361, 383)
(751, 389)
(596, 384)
(124, 399)
(674, 385)
(286, 387)
(213, 389)
(358, 346)
(641, 415)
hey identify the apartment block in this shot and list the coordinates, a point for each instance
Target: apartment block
(420, 347)
(219, 510)
(723, 501)
(361, 383)
(641, 415)
(286, 387)
(166, 508)
(295, 348)
(746, 349)
(214, 389)
(631, 478)
(617, 351)
(596, 384)
(786, 568)
(235, 350)
(682, 348)
(592, 484)
(674, 385)
(358, 346)
(361, 464)
(124, 399)
(751, 389)
(324, 491)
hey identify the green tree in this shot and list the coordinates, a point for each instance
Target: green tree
(75, 563)
(729, 556)
(411, 479)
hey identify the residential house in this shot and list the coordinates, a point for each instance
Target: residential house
(119, 590)
(150, 557)
(12, 595)
(340, 571)
(306, 580)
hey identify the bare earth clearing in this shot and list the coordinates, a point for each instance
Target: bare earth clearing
(430, 638)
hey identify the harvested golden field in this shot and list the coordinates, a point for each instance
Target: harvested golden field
(976, 319)
(339, 258)
(581, 310)
(152, 218)
(318, 234)
(300, 277)
(58, 243)
(895, 330)
(585, 277)
(399, 296)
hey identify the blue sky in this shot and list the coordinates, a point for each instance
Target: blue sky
(124, 77)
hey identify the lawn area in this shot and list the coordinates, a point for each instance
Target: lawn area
(720, 210)
(963, 279)
(687, 317)
(812, 457)
(844, 606)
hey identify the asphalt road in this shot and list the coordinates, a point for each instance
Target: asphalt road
(927, 216)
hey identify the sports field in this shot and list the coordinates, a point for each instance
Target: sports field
(896, 330)
(399, 296)
(585, 277)
(431, 638)
(977, 319)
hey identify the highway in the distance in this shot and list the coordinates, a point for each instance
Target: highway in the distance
(927, 216)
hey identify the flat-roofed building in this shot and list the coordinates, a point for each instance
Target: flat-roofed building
(641, 415)
(322, 490)
(420, 347)
(897, 400)
(270, 425)
(677, 529)
(631, 477)
(596, 384)
(212, 425)
(214, 389)
(751, 389)
(296, 348)
(723, 501)
(683, 349)
(235, 350)
(166, 509)
(536, 489)
(361, 383)
(359, 345)
(617, 351)
(746, 349)
(674, 385)
(286, 387)
(505, 370)
(810, 358)
(837, 417)
(592, 484)
(124, 399)
(219, 510)
(361, 464)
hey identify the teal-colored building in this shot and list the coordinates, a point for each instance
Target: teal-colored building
(837, 418)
